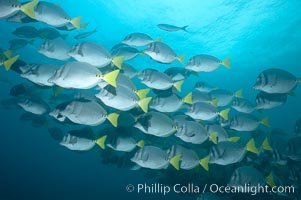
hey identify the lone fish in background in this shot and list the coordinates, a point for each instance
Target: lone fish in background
(206, 63)
(171, 28)
(162, 53)
(29, 32)
(138, 40)
(84, 35)
(276, 81)
(55, 49)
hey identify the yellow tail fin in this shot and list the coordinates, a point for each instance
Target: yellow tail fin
(158, 40)
(265, 122)
(101, 142)
(143, 103)
(83, 26)
(113, 119)
(270, 180)
(225, 114)
(142, 93)
(251, 147)
(238, 93)
(8, 53)
(140, 143)
(226, 63)
(178, 85)
(213, 137)
(28, 8)
(188, 98)
(181, 59)
(266, 145)
(118, 61)
(111, 77)
(56, 90)
(8, 63)
(175, 161)
(76, 22)
(233, 139)
(205, 163)
(214, 102)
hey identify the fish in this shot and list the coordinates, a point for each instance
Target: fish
(82, 112)
(205, 111)
(28, 32)
(51, 34)
(274, 80)
(39, 73)
(162, 53)
(206, 63)
(294, 152)
(128, 70)
(220, 133)
(9, 8)
(71, 76)
(95, 55)
(247, 122)
(204, 87)
(170, 103)
(84, 35)
(152, 157)
(226, 153)
(177, 73)
(171, 28)
(35, 120)
(243, 105)
(53, 15)
(19, 43)
(20, 17)
(34, 105)
(198, 96)
(156, 123)
(127, 52)
(224, 97)
(55, 49)
(269, 101)
(158, 80)
(138, 40)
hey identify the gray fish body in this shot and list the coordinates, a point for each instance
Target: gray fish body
(177, 73)
(204, 87)
(170, 103)
(26, 32)
(155, 123)
(276, 81)
(154, 79)
(242, 105)
(221, 132)
(161, 52)
(77, 143)
(224, 96)
(85, 112)
(76, 75)
(191, 132)
(171, 28)
(122, 143)
(202, 111)
(128, 71)
(244, 122)
(269, 101)
(246, 175)
(34, 106)
(137, 39)
(189, 159)
(198, 96)
(55, 49)
(127, 52)
(203, 63)
(9, 8)
(91, 53)
(226, 153)
(151, 157)
(39, 73)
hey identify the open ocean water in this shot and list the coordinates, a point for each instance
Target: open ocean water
(257, 35)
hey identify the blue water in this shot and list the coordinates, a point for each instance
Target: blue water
(256, 34)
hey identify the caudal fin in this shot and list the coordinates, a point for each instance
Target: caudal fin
(8, 53)
(76, 22)
(28, 8)
(265, 122)
(56, 90)
(188, 98)
(113, 119)
(238, 93)
(175, 161)
(214, 137)
(214, 102)
(266, 145)
(8, 63)
(101, 142)
(233, 139)
(226, 62)
(252, 147)
(117, 61)
(184, 28)
(270, 180)
(143, 104)
(111, 77)
(181, 59)
(178, 85)
(140, 143)
(225, 114)
(142, 93)
(205, 163)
